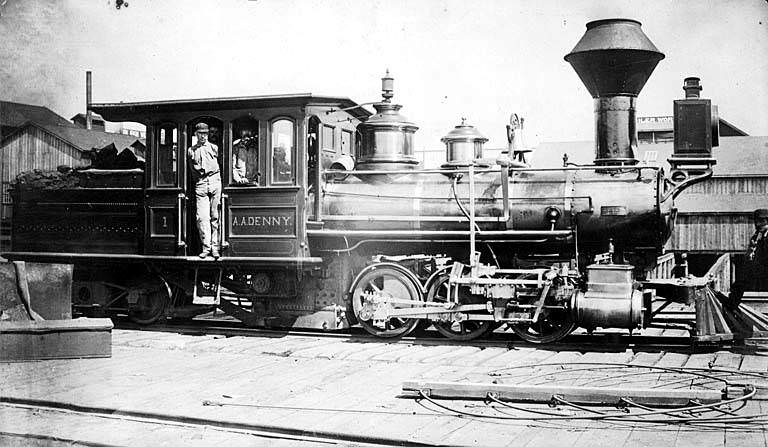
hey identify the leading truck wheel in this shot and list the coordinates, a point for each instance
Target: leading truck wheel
(553, 325)
(382, 287)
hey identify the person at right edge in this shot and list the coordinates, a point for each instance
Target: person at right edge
(204, 164)
(756, 259)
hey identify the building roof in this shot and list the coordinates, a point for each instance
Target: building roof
(82, 116)
(14, 114)
(736, 156)
(667, 124)
(84, 140)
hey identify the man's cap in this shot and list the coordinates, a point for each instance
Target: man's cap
(201, 127)
(760, 213)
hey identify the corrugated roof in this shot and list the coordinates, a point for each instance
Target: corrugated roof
(15, 114)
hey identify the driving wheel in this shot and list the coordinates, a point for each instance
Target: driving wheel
(383, 287)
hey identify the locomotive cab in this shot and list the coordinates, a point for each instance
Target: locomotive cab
(269, 151)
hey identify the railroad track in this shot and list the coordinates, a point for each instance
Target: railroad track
(598, 341)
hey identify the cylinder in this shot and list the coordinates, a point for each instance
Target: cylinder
(615, 130)
(610, 299)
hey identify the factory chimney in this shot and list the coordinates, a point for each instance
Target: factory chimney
(88, 93)
(614, 59)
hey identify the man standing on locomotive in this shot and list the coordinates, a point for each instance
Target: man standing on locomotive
(204, 164)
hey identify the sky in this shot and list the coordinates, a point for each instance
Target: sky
(451, 59)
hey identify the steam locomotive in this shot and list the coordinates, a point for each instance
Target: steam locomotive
(316, 237)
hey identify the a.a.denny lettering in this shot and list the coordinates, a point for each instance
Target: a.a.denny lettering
(261, 221)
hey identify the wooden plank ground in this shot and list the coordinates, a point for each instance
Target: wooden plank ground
(335, 385)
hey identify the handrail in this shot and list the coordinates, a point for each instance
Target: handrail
(327, 172)
(223, 241)
(665, 265)
(180, 243)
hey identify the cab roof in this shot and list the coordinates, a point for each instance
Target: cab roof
(131, 111)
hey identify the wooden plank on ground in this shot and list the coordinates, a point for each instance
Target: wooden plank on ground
(656, 435)
(672, 360)
(324, 350)
(738, 437)
(698, 438)
(727, 360)
(392, 354)
(754, 362)
(701, 361)
(288, 346)
(365, 352)
(230, 345)
(576, 394)
(512, 357)
(421, 353)
(540, 434)
(479, 357)
(599, 434)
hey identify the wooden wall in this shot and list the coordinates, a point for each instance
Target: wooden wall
(712, 233)
(715, 216)
(729, 186)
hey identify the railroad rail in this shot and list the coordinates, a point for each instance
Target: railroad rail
(672, 339)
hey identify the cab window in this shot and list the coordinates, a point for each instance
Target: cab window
(282, 148)
(245, 152)
(329, 143)
(167, 143)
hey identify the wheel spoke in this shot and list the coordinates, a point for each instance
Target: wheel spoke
(374, 287)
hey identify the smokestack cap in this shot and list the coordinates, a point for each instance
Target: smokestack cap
(692, 87)
(614, 57)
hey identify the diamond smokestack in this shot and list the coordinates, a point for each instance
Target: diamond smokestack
(614, 59)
